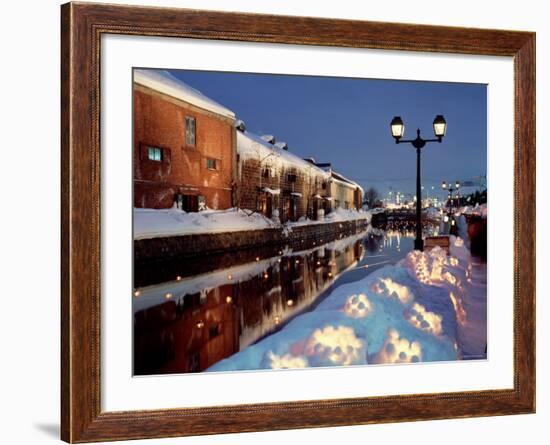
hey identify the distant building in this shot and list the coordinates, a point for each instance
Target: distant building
(345, 193)
(276, 182)
(184, 146)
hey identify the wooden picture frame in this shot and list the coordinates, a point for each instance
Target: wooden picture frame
(82, 26)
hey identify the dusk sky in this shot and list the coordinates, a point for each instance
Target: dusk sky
(346, 122)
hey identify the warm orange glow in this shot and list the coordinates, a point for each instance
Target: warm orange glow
(228, 299)
(289, 302)
(425, 320)
(338, 345)
(286, 361)
(168, 296)
(137, 293)
(358, 306)
(399, 350)
(391, 287)
(200, 324)
(459, 309)
(178, 278)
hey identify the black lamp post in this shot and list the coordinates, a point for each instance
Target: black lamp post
(397, 131)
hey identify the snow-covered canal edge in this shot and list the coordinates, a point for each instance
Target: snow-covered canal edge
(428, 307)
(157, 223)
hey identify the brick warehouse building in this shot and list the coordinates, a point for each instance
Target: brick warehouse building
(276, 182)
(184, 145)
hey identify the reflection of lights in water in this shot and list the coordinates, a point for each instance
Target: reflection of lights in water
(286, 361)
(398, 350)
(338, 345)
(425, 320)
(357, 306)
(459, 309)
(391, 287)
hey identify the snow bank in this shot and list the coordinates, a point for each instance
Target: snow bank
(478, 210)
(428, 307)
(164, 82)
(154, 223)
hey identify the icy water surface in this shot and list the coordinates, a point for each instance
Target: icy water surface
(213, 307)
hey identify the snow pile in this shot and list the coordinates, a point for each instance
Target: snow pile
(164, 82)
(478, 210)
(432, 212)
(428, 307)
(154, 223)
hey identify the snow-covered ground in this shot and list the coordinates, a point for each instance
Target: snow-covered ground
(155, 223)
(427, 307)
(478, 210)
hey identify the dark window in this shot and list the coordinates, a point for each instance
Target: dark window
(266, 173)
(213, 331)
(154, 154)
(324, 185)
(211, 164)
(291, 178)
(190, 131)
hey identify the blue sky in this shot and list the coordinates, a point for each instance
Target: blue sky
(346, 122)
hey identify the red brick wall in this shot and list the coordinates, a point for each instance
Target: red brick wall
(159, 121)
(249, 184)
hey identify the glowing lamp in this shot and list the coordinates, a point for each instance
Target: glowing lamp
(440, 126)
(397, 128)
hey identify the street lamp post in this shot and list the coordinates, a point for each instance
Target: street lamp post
(451, 189)
(397, 131)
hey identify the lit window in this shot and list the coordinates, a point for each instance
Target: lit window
(190, 131)
(154, 154)
(211, 164)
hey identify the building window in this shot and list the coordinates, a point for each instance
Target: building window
(211, 164)
(154, 154)
(190, 131)
(291, 178)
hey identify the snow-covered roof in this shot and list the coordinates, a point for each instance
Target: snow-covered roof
(251, 146)
(164, 82)
(345, 181)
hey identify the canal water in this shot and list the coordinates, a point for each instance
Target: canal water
(190, 315)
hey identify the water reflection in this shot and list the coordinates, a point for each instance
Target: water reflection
(191, 322)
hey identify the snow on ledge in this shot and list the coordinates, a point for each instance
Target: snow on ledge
(158, 223)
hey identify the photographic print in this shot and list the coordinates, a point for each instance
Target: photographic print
(288, 221)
